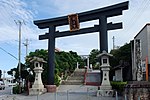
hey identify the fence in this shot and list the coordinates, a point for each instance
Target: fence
(89, 94)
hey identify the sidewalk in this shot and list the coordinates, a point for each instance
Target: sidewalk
(58, 96)
(64, 92)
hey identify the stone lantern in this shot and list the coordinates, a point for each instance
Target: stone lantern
(105, 88)
(37, 87)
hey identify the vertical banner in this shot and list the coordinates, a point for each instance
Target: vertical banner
(146, 68)
(73, 22)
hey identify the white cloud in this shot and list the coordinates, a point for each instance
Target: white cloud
(18, 10)
(14, 10)
(81, 44)
(76, 6)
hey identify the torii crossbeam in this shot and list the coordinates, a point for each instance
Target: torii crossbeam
(101, 14)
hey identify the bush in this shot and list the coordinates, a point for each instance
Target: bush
(118, 86)
(57, 80)
(16, 89)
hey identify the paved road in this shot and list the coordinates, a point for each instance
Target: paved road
(6, 91)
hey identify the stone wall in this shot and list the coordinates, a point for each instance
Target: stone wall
(138, 89)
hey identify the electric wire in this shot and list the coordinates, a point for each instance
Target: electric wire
(137, 15)
(9, 53)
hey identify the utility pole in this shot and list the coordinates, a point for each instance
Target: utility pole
(113, 42)
(26, 45)
(19, 23)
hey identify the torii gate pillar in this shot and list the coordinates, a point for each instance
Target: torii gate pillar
(103, 34)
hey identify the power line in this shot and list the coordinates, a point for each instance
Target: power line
(9, 53)
(137, 14)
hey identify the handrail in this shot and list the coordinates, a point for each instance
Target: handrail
(85, 75)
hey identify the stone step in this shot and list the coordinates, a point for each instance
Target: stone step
(72, 82)
(80, 70)
(81, 81)
(76, 78)
(78, 73)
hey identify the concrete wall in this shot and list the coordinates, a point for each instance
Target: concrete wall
(144, 42)
(148, 37)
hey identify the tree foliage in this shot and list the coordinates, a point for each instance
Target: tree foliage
(123, 55)
(24, 72)
(93, 58)
(65, 63)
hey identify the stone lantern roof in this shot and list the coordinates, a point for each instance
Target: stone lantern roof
(104, 53)
(38, 60)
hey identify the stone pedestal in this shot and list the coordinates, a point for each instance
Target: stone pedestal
(105, 88)
(105, 93)
(37, 87)
(35, 91)
(51, 88)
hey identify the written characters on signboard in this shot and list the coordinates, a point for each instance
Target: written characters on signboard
(73, 22)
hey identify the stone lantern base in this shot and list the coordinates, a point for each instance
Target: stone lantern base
(106, 87)
(105, 93)
(51, 88)
(37, 91)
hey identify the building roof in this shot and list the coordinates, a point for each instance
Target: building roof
(57, 50)
(142, 29)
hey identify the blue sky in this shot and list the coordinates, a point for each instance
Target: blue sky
(133, 20)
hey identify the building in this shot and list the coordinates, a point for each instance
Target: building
(140, 49)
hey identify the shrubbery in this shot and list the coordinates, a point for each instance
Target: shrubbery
(16, 89)
(57, 80)
(118, 86)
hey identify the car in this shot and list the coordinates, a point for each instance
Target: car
(12, 84)
(2, 85)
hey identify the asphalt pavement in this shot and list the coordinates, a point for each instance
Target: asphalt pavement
(6, 91)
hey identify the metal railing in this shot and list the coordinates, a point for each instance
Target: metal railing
(71, 94)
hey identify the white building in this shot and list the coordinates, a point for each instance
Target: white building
(141, 41)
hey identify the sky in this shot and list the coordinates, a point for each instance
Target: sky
(26, 11)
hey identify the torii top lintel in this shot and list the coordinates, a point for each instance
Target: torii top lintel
(109, 11)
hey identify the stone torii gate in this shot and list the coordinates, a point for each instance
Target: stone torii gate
(98, 14)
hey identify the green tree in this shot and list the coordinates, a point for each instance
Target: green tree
(65, 62)
(93, 58)
(24, 72)
(41, 54)
(123, 54)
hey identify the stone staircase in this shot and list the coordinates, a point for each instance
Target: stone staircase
(76, 78)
